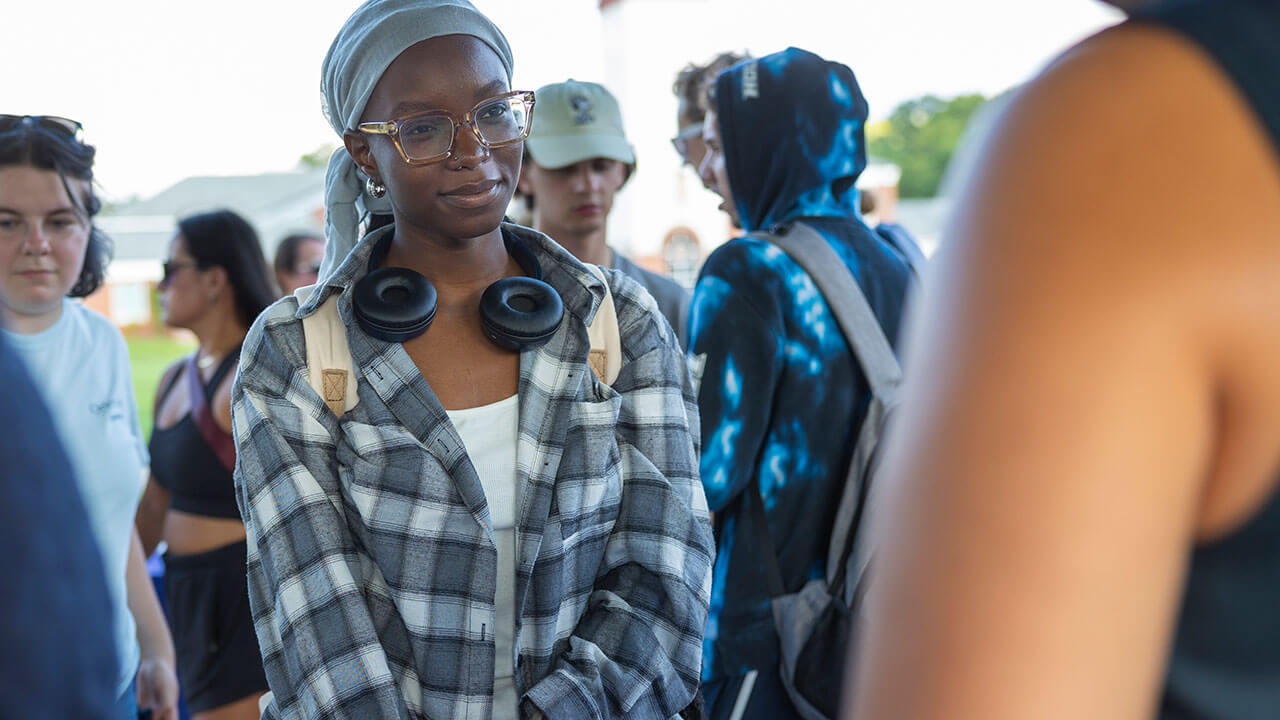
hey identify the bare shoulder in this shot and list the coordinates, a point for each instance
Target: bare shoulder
(1095, 392)
(1208, 178)
(1130, 204)
(1132, 171)
(1143, 137)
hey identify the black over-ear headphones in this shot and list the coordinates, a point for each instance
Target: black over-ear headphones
(396, 304)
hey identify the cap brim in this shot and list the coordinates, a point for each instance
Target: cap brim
(557, 152)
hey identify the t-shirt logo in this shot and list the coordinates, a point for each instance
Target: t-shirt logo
(581, 107)
(109, 408)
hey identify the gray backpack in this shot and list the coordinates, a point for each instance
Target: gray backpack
(816, 624)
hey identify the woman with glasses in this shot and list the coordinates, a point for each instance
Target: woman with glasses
(50, 252)
(484, 528)
(215, 283)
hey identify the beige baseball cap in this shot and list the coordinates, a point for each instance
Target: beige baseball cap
(575, 121)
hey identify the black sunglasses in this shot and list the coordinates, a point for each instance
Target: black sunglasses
(172, 267)
(57, 125)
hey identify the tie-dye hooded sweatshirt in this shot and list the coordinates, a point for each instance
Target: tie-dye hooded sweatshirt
(782, 397)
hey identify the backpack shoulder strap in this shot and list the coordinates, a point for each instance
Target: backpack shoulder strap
(875, 355)
(330, 368)
(853, 313)
(605, 357)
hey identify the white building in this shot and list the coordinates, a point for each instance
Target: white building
(276, 204)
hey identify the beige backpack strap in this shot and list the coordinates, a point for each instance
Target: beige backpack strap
(330, 368)
(605, 357)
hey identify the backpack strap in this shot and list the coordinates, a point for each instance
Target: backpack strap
(219, 441)
(330, 368)
(861, 329)
(605, 356)
(853, 313)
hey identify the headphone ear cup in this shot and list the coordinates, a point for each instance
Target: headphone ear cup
(520, 313)
(394, 304)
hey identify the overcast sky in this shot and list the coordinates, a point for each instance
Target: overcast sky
(168, 89)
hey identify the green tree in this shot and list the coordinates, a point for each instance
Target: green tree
(317, 159)
(920, 136)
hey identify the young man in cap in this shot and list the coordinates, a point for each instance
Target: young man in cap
(576, 159)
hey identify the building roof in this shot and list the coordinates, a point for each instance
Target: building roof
(274, 203)
(246, 194)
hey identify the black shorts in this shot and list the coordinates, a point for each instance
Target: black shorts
(207, 602)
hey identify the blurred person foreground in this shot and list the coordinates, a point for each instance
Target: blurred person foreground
(1080, 516)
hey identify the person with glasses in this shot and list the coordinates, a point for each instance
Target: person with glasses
(479, 525)
(783, 396)
(51, 253)
(297, 261)
(691, 105)
(215, 284)
(576, 159)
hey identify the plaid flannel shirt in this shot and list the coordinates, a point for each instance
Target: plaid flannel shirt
(371, 557)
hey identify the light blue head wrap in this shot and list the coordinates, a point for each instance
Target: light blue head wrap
(375, 34)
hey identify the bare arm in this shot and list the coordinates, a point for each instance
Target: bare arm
(152, 510)
(1048, 476)
(157, 681)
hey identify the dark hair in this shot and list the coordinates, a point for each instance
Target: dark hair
(31, 144)
(693, 82)
(287, 251)
(224, 239)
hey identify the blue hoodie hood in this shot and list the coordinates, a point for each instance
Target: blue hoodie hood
(792, 126)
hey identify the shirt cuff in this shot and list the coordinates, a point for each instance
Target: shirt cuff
(559, 696)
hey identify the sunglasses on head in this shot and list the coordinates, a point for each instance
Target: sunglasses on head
(65, 127)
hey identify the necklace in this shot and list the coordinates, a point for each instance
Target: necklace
(204, 362)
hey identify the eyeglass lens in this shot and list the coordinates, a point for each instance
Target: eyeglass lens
(430, 135)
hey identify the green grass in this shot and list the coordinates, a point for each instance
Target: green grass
(149, 356)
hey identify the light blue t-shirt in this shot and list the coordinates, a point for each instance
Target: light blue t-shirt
(81, 367)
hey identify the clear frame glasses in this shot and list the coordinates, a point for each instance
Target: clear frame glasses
(58, 125)
(428, 137)
(681, 141)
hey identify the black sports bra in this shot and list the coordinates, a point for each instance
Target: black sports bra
(190, 458)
